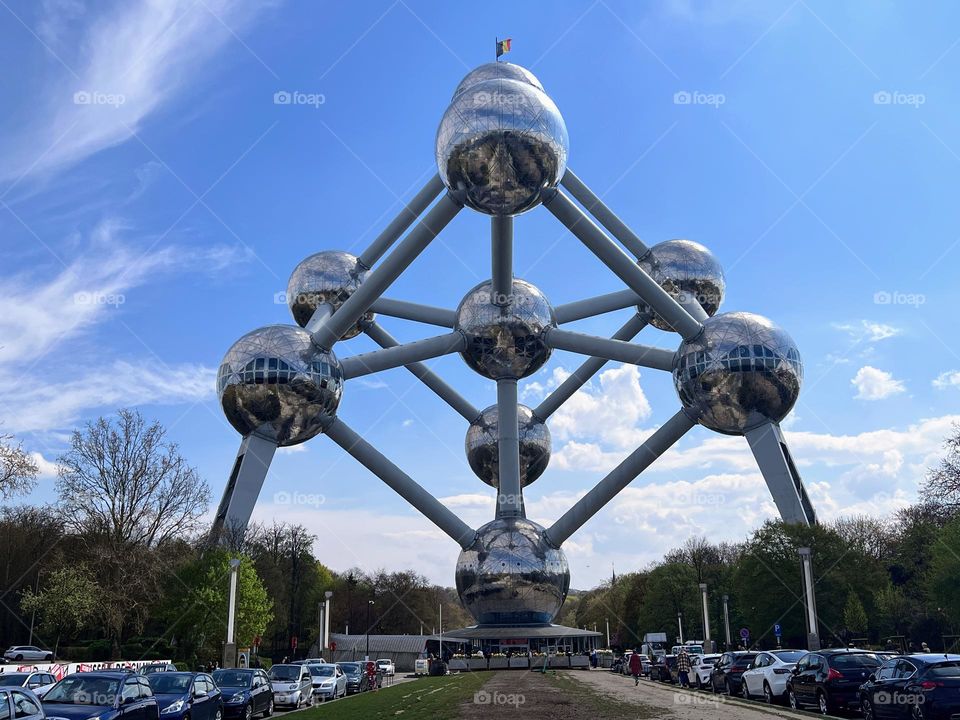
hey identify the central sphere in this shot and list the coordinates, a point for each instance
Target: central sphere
(274, 381)
(502, 143)
(741, 371)
(685, 269)
(497, 71)
(505, 341)
(511, 575)
(483, 450)
(328, 277)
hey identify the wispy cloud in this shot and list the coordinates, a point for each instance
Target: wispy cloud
(868, 331)
(948, 379)
(874, 384)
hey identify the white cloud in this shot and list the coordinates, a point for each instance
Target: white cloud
(868, 331)
(46, 468)
(874, 384)
(126, 63)
(948, 379)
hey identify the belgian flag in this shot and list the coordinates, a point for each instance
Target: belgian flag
(503, 47)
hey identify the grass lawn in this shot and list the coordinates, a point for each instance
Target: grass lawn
(429, 697)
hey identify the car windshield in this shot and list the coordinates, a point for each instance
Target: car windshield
(854, 660)
(789, 656)
(285, 672)
(79, 690)
(946, 670)
(350, 668)
(12, 678)
(321, 670)
(231, 678)
(169, 683)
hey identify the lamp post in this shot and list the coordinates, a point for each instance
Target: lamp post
(607, 621)
(370, 604)
(326, 621)
(707, 642)
(230, 646)
(726, 619)
(680, 625)
(813, 635)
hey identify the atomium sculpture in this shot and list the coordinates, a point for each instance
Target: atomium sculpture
(501, 149)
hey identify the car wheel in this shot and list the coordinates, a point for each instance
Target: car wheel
(744, 690)
(18, 657)
(822, 704)
(218, 715)
(269, 711)
(792, 699)
(699, 684)
(49, 657)
(767, 694)
(248, 711)
(867, 707)
(917, 713)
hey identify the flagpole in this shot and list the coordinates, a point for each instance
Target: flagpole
(496, 48)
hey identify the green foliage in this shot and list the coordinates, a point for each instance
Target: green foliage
(854, 615)
(944, 575)
(66, 603)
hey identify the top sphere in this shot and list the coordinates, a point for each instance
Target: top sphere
(741, 371)
(505, 341)
(328, 277)
(501, 143)
(276, 382)
(685, 269)
(497, 71)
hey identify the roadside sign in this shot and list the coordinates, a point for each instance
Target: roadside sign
(777, 631)
(744, 633)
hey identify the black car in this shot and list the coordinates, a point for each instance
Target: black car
(245, 693)
(106, 695)
(357, 680)
(665, 669)
(830, 679)
(727, 674)
(918, 687)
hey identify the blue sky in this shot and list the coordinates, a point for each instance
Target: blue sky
(149, 221)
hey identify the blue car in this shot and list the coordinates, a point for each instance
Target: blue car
(246, 693)
(106, 695)
(186, 696)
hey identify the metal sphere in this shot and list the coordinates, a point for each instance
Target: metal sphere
(511, 575)
(275, 382)
(328, 277)
(685, 269)
(739, 372)
(502, 143)
(483, 449)
(505, 341)
(497, 71)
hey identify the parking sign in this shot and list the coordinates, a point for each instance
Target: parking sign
(777, 631)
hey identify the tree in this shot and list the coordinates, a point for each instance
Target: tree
(942, 486)
(944, 575)
(66, 604)
(121, 481)
(18, 471)
(854, 616)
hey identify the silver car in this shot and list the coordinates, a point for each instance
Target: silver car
(38, 682)
(292, 685)
(27, 652)
(20, 703)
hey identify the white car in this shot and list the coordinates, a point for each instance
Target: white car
(386, 666)
(292, 685)
(329, 681)
(39, 682)
(767, 675)
(700, 677)
(27, 652)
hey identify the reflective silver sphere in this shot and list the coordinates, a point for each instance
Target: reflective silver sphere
(276, 382)
(329, 277)
(502, 143)
(497, 71)
(685, 269)
(511, 575)
(740, 371)
(505, 341)
(483, 449)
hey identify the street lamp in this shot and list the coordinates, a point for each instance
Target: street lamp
(726, 619)
(707, 642)
(326, 621)
(370, 604)
(813, 636)
(230, 647)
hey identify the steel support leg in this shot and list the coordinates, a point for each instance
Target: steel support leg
(509, 497)
(243, 488)
(777, 467)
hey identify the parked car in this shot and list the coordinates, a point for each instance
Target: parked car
(664, 669)
(292, 685)
(386, 666)
(186, 696)
(922, 687)
(727, 673)
(357, 681)
(830, 679)
(20, 703)
(308, 661)
(105, 694)
(38, 682)
(245, 693)
(767, 675)
(157, 667)
(329, 681)
(27, 652)
(702, 669)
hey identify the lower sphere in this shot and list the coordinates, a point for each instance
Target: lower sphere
(482, 446)
(511, 575)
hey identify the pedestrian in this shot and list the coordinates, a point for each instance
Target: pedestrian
(684, 666)
(635, 667)
(925, 647)
(593, 658)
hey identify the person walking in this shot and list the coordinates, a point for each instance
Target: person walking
(684, 666)
(635, 666)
